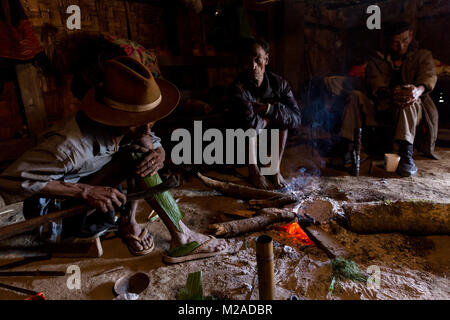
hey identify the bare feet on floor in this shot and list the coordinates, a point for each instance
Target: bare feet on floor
(258, 180)
(278, 181)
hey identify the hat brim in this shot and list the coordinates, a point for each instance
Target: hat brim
(105, 114)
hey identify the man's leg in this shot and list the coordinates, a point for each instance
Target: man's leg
(408, 119)
(254, 174)
(114, 173)
(179, 238)
(358, 111)
(278, 179)
(129, 226)
(130, 229)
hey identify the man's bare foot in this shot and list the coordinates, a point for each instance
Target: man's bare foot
(127, 229)
(257, 179)
(278, 181)
(179, 239)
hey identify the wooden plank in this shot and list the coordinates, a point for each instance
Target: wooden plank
(32, 99)
(31, 224)
(326, 242)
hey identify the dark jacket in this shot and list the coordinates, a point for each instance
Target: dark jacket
(285, 113)
(417, 69)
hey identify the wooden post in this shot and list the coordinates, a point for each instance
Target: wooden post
(264, 258)
(31, 94)
(291, 54)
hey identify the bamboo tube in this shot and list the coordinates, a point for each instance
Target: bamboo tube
(264, 258)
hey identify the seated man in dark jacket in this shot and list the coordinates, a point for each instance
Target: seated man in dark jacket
(261, 99)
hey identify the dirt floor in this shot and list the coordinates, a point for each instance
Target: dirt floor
(411, 267)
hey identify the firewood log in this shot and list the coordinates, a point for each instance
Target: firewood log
(243, 192)
(410, 217)
(265, 218)
(271, 203)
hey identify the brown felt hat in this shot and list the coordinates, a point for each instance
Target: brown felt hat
(130, 96)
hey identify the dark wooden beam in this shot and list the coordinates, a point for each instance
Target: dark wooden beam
(32, 99)
(292, 50)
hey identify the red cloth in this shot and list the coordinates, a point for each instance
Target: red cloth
(358, 71)
(17, 38)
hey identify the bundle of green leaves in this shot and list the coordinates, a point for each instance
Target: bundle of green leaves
(193, 289)
(345, 269)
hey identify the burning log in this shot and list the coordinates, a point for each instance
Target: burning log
(247, 193)
(265, 218)
(410, 217)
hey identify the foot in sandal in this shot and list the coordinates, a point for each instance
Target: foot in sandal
(208, 246)
(138, 239)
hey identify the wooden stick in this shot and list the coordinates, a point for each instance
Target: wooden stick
(17, 289)
(243, 192)
(27, 225)
(410, 217)
(265, 218)
(30, 224)
(271, 203)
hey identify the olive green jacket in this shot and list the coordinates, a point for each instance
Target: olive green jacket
(417, 69)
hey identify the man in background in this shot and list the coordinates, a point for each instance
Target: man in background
(398, 83)
(261, 99)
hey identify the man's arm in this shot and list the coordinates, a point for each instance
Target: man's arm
(99, 197)
(426, 73)
(405, 95)
(242, 108)
(29, 174)
(285, 113)
(39, 171)
(423, 83)
(155, 154)
(153, 162)
(377, 82)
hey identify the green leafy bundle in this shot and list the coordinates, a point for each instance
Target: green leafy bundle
(345, 269)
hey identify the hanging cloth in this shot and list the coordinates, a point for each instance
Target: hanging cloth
(17, 38)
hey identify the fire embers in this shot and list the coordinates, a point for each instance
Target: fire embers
(294, 232)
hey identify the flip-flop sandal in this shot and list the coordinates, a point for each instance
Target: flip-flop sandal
(133, 251)
(193, 255)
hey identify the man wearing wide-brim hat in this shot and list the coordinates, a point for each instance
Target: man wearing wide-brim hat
(85, 157)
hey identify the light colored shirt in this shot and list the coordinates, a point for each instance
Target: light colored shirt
(71, 150)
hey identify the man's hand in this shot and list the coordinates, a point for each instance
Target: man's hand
(406, 95)
(259, 108)
(152, 162)
(144, 143)
(103, 198)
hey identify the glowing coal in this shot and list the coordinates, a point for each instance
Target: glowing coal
(295, 233)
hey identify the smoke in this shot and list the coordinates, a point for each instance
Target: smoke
(303, 178)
